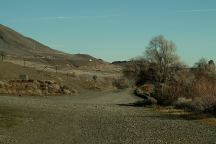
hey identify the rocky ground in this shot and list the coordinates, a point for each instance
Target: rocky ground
(95, 118)
(34, 88)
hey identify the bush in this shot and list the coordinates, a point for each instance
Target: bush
(201, 91)
(174, 83)
(145, 90)
(120, 83)
(183, 103)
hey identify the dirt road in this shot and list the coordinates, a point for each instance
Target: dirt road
(94, 118)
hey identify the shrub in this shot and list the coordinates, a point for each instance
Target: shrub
(145, 90)
(121, 83)
(183, 103)
(201, 90)
(94, 77)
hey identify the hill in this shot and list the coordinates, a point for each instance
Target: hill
(17, 46)
(27, 56)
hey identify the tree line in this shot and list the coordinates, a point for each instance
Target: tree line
(172, 79)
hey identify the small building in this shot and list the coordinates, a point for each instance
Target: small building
(24, 77)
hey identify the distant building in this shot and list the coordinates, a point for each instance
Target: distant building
(24, 77)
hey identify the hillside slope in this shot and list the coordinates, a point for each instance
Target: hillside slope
(16, 45)
(13, 43)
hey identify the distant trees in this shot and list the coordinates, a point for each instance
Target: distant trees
(162, 53)
(134, 68)
(212, 66)
(159, 64)
(171, 80)
(203, 65)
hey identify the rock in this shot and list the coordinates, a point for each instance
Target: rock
(145, 90)
(67, 92)
(12, 91)
(29, 92)
(38, 92)
(50, 82)
(7, 85)
(34, 87)
(3, 91)
(73, 91)
(55, 86)
(37, 83)
(43, 87)
(2, 84)
(141, 93)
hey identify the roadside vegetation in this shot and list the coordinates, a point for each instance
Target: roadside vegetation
(161, 78)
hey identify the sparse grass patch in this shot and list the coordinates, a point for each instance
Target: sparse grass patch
(172, 113)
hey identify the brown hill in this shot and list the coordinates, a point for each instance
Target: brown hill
(75, 82)
(18, 46)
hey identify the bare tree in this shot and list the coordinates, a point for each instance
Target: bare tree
(203, 65)
(162, 53)
(133, 69)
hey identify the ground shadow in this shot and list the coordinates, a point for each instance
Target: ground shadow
(164, 113)
(141, 103)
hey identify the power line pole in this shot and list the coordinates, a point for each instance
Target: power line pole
(56, 68)
(24, 62)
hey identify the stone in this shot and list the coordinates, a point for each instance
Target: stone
(3, 91)
(145, 90)
(2, 84)
(38, 92)
(67, 92)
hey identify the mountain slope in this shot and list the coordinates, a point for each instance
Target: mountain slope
(14, 43)
(17, 45)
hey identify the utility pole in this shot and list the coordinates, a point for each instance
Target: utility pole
(24, 62)
(67, 75)
(56, 68)
(43, 70)
(2, 55)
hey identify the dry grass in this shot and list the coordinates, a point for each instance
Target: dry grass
(181, 114)
(77, 81)
(209, 121)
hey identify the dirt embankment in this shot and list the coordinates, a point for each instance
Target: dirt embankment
(74, 80)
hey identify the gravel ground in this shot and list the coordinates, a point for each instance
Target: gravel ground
(94, 118)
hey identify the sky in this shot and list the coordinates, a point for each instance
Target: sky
(116, 29)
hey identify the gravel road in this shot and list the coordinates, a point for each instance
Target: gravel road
(94, 118)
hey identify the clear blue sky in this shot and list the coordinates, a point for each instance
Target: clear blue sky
(116, 29)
